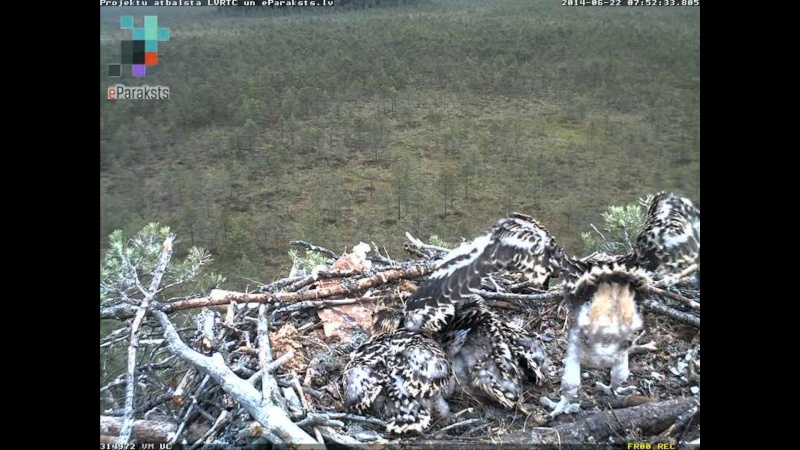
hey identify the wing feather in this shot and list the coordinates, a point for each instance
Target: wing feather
(516, 242)
(670, 240)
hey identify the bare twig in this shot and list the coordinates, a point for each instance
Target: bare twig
(317, 304)
(677, 297)
(356, 417)
(339, 273)
(300, 284)
(142, 430)
(190, 408)
(274, 286)
(597, 231)
(319, 419)
(421, 245)
(275, 365)
(223, 418)
(414, 251)
(502, 304)
(660, 308)
(380, 258)
(315, 248)
(269, 388)
(341, 439)
(532, 298)
(444, 430)
(681, 423)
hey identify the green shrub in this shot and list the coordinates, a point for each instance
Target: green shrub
(621, 226)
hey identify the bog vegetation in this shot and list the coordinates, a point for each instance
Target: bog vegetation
(347, 124)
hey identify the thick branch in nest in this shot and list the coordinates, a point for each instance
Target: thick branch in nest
(271, 416)
(143, 430)
(222, 297)
(677, 297)
(649, 418)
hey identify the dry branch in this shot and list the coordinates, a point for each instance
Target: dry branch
(660, 308)
(649, 418)
(315, 248)
(677, 297)
(130, 378)
(142, 430)
(279, 284)
(272, 417)
(530, 298)
(222, 297)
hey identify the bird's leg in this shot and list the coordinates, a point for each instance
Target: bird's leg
(570, 382)
(619, 374)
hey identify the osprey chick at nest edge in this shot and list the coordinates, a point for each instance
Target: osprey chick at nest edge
(603, 292)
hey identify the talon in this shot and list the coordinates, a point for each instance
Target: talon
(562, 407)
(619, 391)
(606, 389)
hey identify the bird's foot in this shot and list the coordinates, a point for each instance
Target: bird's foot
(562, 407)
(615, 392)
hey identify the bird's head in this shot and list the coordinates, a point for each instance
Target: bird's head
(386, 320)
(608, 318)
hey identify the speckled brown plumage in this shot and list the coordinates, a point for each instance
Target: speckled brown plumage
(402, 377)
(454, 330)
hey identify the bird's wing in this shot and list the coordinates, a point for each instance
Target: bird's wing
(516, 242)
(670, 240)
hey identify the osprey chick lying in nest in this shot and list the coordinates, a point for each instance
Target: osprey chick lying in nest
(446, 336)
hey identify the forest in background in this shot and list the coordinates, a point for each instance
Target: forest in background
(435, 117)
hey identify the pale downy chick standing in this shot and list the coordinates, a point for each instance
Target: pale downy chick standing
(605, 320)
(603, 291)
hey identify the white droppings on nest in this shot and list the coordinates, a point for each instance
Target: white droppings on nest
(679, 368)
(657, 376)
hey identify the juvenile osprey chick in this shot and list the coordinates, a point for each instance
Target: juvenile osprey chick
(605, 319)
(670, 240)
(516, 242)
(603, 291)
(402, 377)
(405, 371)
(491, 358)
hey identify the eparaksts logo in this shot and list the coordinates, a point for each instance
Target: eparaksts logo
(122, 92)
